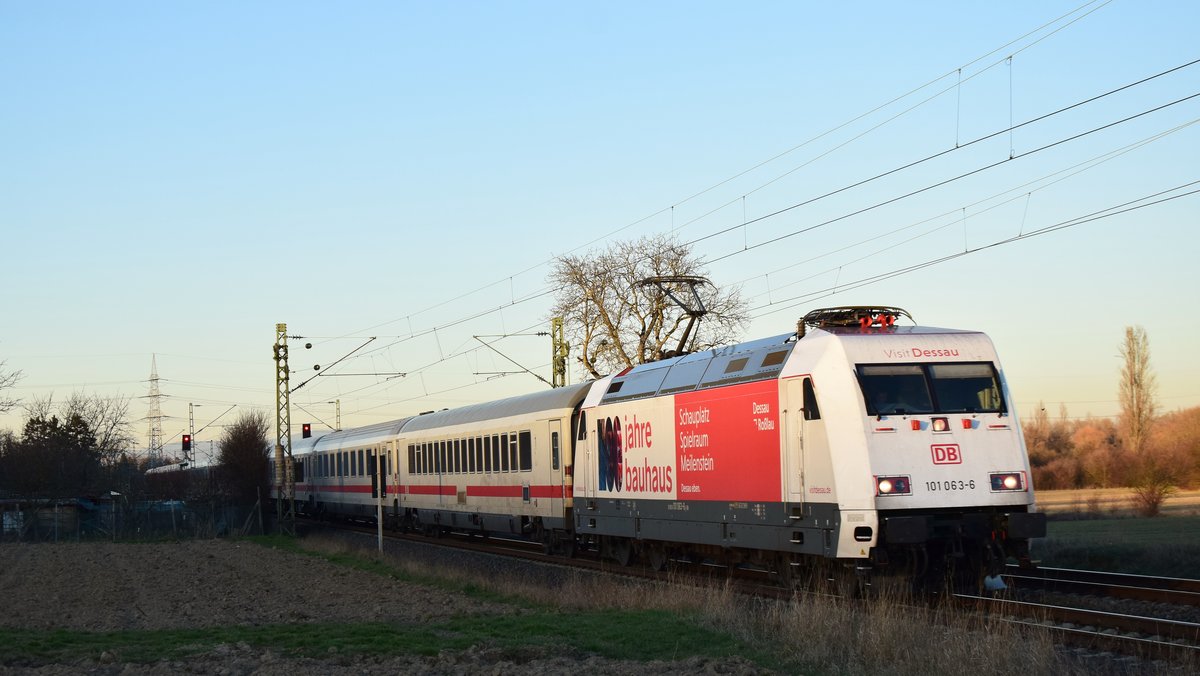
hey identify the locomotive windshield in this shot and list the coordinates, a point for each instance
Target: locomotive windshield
(967, 387)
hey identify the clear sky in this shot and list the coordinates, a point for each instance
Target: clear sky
(176, 178)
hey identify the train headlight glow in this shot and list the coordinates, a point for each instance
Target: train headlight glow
(892, 485)
(1007, 481)
(940, 424)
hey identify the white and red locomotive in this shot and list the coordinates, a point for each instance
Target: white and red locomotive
(892, 448)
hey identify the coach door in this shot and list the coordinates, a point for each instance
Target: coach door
(558, 489)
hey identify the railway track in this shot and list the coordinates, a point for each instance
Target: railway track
(1094, 630)
(1176, 591)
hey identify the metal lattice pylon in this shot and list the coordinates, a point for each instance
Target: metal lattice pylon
(155, 416)
(285, 478)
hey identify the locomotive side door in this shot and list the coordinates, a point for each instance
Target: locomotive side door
(793, 445)
(807, 444)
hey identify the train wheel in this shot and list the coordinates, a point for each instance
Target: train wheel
(656, 554)
(619, 550)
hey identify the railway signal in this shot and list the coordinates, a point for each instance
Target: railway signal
(306, 430)
(187, 442)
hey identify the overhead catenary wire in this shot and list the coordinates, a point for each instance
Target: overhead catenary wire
(1091, 7)
(875, 177)
(874, 206)
(1061, 225)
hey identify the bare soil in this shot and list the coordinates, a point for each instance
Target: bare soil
(105, 587)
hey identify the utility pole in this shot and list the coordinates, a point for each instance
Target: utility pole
(338, 410)
(191, 435)
(285, 479)
(558, 353)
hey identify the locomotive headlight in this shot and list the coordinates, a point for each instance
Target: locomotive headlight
(940, 424)
(892, 485)
(1007, 481)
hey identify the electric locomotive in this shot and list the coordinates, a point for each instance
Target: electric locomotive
(855, 439)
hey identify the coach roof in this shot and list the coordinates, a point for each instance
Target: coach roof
(359, 436)
(546, 400)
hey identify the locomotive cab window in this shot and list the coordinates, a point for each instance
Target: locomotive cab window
(902, 389)
(966, 388)
(895, 388)
(811, 410)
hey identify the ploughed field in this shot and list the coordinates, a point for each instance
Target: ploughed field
(234, 607)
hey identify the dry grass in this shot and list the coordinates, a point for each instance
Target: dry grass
(819, 634)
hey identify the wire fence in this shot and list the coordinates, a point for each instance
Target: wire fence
(84, 520)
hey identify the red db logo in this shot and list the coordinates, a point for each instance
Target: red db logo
(946, 454)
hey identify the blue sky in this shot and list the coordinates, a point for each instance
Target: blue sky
(176, 178)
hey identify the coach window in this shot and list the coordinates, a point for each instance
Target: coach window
(582, 426)
(497, 466)
(470, 455)
(811, 411)
(504, 453)
(554, 450)
(512, 451)
(526, 447)
(479, 454)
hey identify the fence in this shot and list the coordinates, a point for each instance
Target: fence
(79, 519)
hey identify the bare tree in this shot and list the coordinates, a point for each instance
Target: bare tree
(613, 321)
(8, 379)
(105, 417)
(1137, 390)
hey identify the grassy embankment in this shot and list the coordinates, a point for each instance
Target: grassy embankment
(1097, 530)
(611, 618)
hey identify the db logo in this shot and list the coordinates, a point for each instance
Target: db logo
(946, 454)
